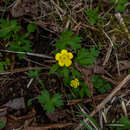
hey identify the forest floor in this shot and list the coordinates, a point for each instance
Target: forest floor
(64, 64)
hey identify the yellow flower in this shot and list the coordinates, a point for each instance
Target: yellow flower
(74, 83)
(64, 58)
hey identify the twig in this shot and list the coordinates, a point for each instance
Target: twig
(108, 38)
(118, 66)
(23, 69)
(107, 99)
(107, 55)
(28, 53)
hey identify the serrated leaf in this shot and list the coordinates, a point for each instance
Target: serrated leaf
(87, 57)
(56, 99)
(7, 28)
(49, 107)
(100, 84)
(44, 97)
(68, 40)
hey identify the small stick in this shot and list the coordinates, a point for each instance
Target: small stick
(107, 99)
(28, 53)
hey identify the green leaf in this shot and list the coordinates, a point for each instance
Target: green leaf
(40, 82)
(49, 103)
(31, 27)
(100, 84)
(126, 122)
(93, 15)
(44, 97)
(49, 107)
(7, 61)
(1, 67)
(81, 92)
(2, 125)
(87, 57)
(67, 81)
(33, 73)
(68, 39)
(56, 99)
(53, 69)
(75, 73)
(29, 103)
(7, 28)
(66, 72)
(112, 1)
(84, 90)
(123, 2)
(129, 70)
(120, 8)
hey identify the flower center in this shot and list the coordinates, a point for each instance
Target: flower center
(64, 57)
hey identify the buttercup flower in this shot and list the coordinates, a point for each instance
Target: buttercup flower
(74, 83)
(64, 58)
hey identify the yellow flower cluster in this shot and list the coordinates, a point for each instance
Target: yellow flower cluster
(64, 58)
(74, 83)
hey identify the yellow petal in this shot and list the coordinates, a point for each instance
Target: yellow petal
(70, 55)
(64, 51)
(77, 81)
(75, 84)
(58, 55)
(68, 63)
(61, 63)
(72, 83)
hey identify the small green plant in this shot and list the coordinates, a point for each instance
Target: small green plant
(101, 85)
(120, 5)
(87, 57)
(93, 16)
(2, 125)
(10, 30)
(66, 68)
(49, 102)
(129, 70)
